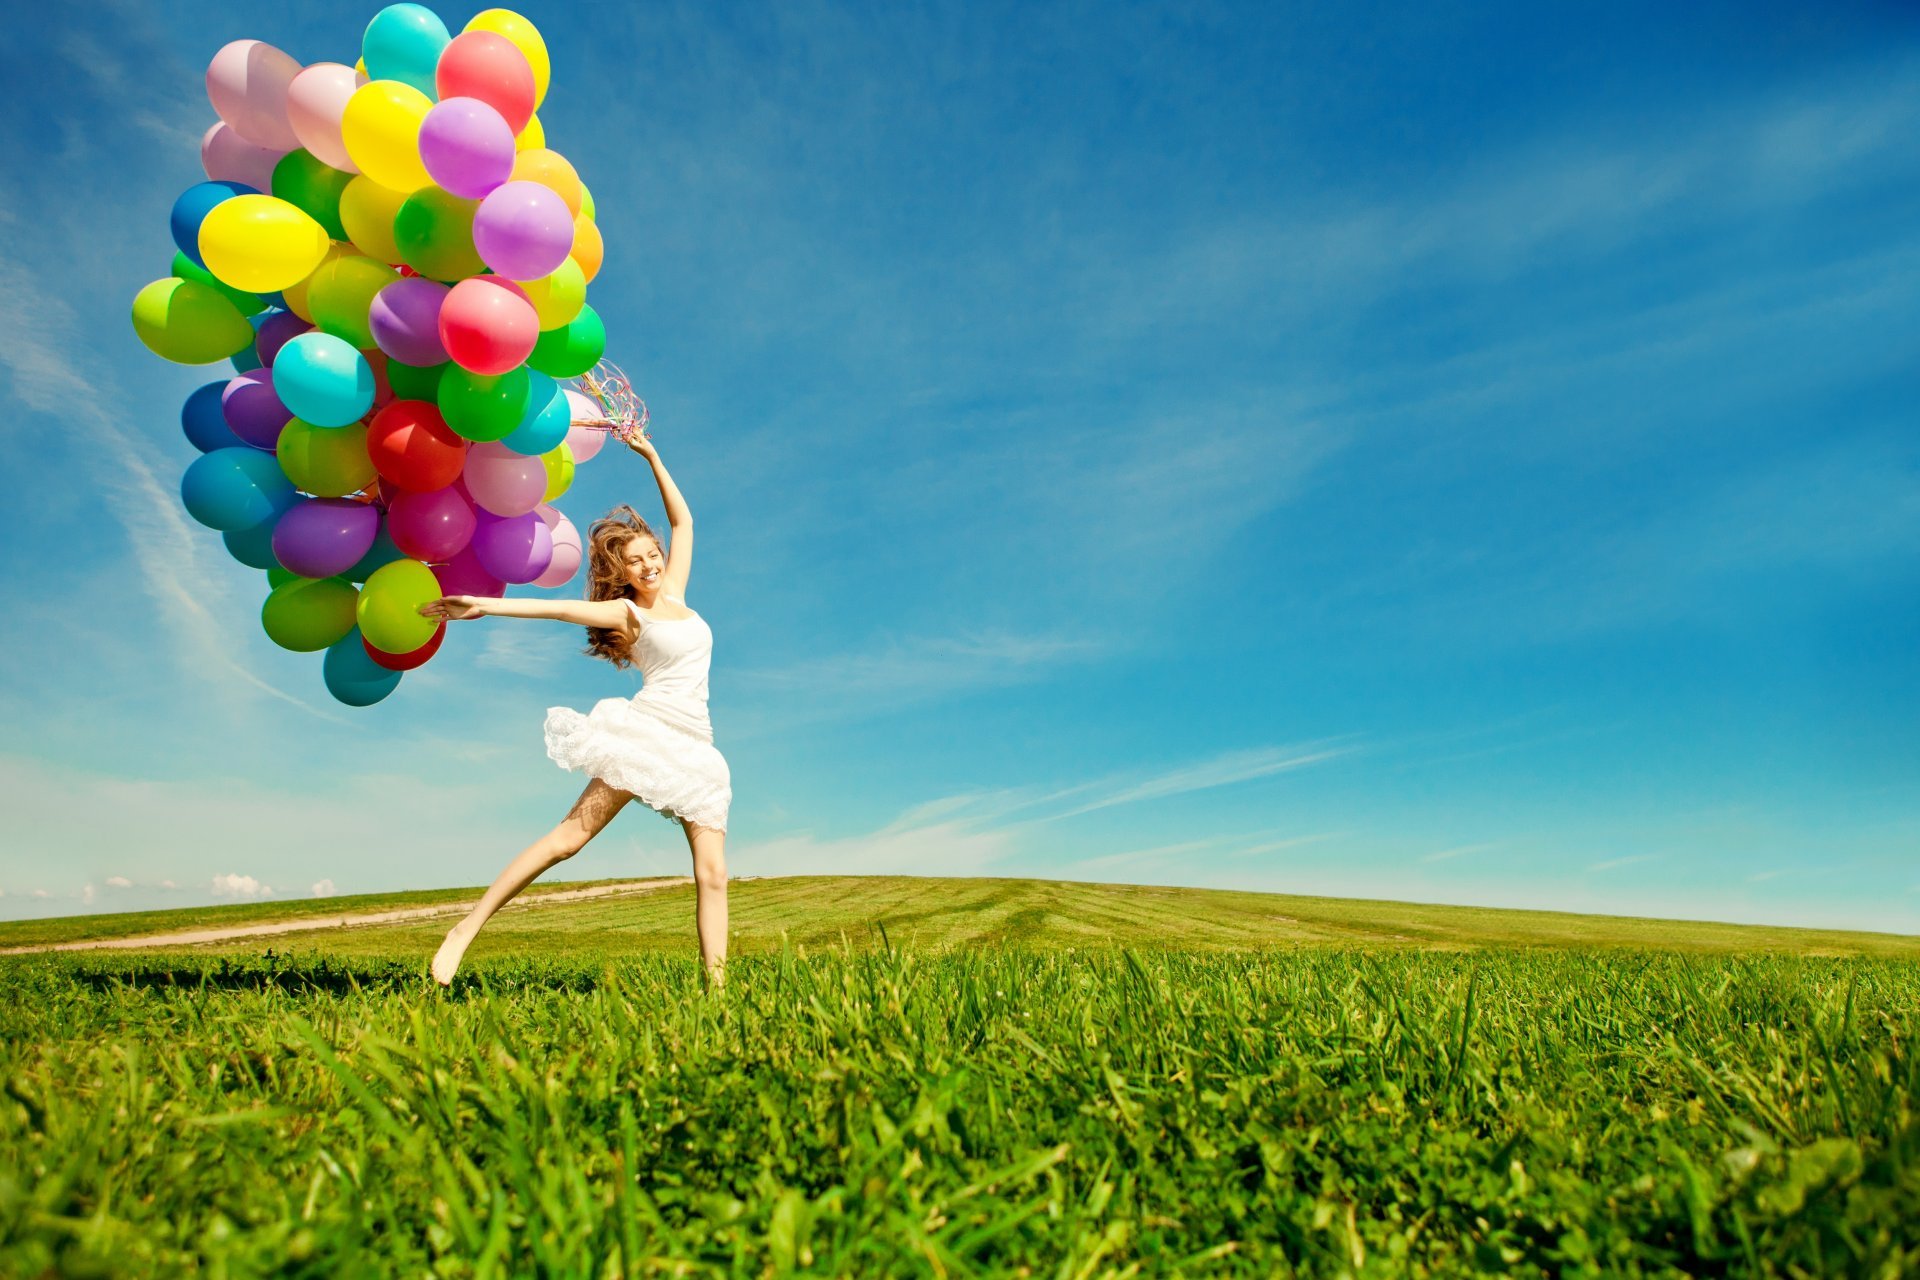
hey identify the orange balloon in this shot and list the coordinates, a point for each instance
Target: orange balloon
(549, 169)
(588, 248)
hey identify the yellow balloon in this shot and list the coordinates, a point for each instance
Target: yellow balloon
(531, 138)
(526, 38)
(367, 211)
(559, 464)
(381, 131)
(261, 243)
(586, 200)
(295, 294)
(557, 298)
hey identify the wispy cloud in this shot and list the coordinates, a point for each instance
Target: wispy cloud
(119, 882)
(233, 885)
(1220, 771)
(1444, 855)
(1614, 864)
(323, 889)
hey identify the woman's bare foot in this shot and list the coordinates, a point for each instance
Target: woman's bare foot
(446, 961)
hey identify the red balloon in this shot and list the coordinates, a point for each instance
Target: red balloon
(412, 658)
(487, 325)
(412, 446)
(490, 67)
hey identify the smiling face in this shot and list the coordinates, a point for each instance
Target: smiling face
(644, 563)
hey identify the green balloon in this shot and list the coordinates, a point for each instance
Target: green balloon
(328, 462)
(245, 303)
(188, 322)
(340, 295)
(280, 576)
(573, 348)
(435, 233)
(483, 407)
(310, 185)
(416, 381)
(389, 606)
(308, 614)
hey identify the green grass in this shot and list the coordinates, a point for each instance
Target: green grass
(1531, 1096)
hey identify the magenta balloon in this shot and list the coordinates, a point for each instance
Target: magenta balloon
(253, 410)
(434, 526)
(464, 576)
(228, 157)
(513, 548)
(326, 536)
(277, 330)
(405, 318)
(466, 147)
(502, 482)
(523, 231)
(247, 84)
(566, 550)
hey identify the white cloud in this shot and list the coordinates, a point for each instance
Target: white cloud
(41, 893)
(232, 885)
(1612, 864)
(1444, 855)
(168, 884)
(119, 882)
(942, 849)
(87, 893)
(1221, 771)
(323, 888)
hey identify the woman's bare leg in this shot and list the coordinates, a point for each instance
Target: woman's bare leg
(590, 814)
(710, 897)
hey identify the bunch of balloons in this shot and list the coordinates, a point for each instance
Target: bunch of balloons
(396, 264)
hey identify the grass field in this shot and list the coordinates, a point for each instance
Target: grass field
(991, 1078)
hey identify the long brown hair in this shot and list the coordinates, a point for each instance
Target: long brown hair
(607, 540)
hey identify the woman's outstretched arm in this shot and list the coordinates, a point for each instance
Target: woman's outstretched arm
(610, 614)
(679, 520)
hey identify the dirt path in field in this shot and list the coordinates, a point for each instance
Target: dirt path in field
(191, 936)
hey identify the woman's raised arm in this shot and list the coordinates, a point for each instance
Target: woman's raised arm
(610, 614)
(679, 520)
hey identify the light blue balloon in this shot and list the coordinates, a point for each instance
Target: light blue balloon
(549, 418)
(235, 488)
(205, 425)
(403, 42)
(354, 678)
(253, 547)
(323, 380)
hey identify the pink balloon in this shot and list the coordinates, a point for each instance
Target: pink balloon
(247, 83)
(487, 325)
(434, 526)
(464, 576)
(503, 482)
(228, 157)
(566, 550)
(316, 100)
(490, 67)
(584, 441)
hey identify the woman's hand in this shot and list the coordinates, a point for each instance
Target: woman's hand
(453, 608)
(643, 446)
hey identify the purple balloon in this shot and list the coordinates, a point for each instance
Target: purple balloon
(465, 576)
(253, 410)
(512, 548)
(276, 331)
(434, 526)
(326, 536)
(466, 146)
(523, 231)
(405, 319)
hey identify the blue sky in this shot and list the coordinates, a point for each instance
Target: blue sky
(1455, 453)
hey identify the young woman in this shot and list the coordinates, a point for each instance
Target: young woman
(656, 746)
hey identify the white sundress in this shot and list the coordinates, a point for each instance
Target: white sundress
(657, 744)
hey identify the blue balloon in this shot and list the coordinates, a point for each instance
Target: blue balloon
(246, 359)
(205, 425)
(549, 418)
(253, 547)
(323, 380)
(403, 42)
(192, 208)
(235, 488)
(383, 552)
(354, 678)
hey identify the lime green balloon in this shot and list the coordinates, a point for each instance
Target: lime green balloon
(328, 462)
(188, 322)
(308, 614)
(482, 407)
(341, 292)
(586, 200)
(312, 186)
(559, 464)
(573, 348)
(434, 231)
(415, 381)
(389, 606)
(247, 304)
